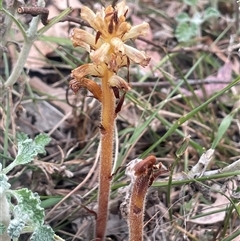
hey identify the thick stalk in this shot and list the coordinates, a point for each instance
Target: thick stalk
(143, 172)
(136, 209)
(107, 134)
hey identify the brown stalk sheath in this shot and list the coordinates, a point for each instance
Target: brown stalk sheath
(143, 172)
(107, 134)
(137, 208)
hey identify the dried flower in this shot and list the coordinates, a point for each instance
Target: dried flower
(107, 48)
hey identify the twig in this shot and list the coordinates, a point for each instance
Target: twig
(31, 35)
(35, 11)
(44, 12)
(199, 170)
(200, 47)
(167, 83)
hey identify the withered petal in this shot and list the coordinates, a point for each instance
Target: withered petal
(121, 8)
(88, 15)
(100, 54)
(87, 69)
(135, 31)
(89, 84)
(118, 45)
(83, 39)
(138, 57)
(120, 83)
(122, 29)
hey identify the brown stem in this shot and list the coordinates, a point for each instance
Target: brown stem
(44, 12)
(107, 133)
(35, 11)
(143, 172)
(137, 209)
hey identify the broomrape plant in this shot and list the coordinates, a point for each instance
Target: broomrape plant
(108, 52)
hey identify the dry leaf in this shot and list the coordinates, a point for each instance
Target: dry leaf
(220, 203)
(224, 75)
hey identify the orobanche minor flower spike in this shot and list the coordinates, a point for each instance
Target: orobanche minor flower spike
(142, 173)
(108, 52)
